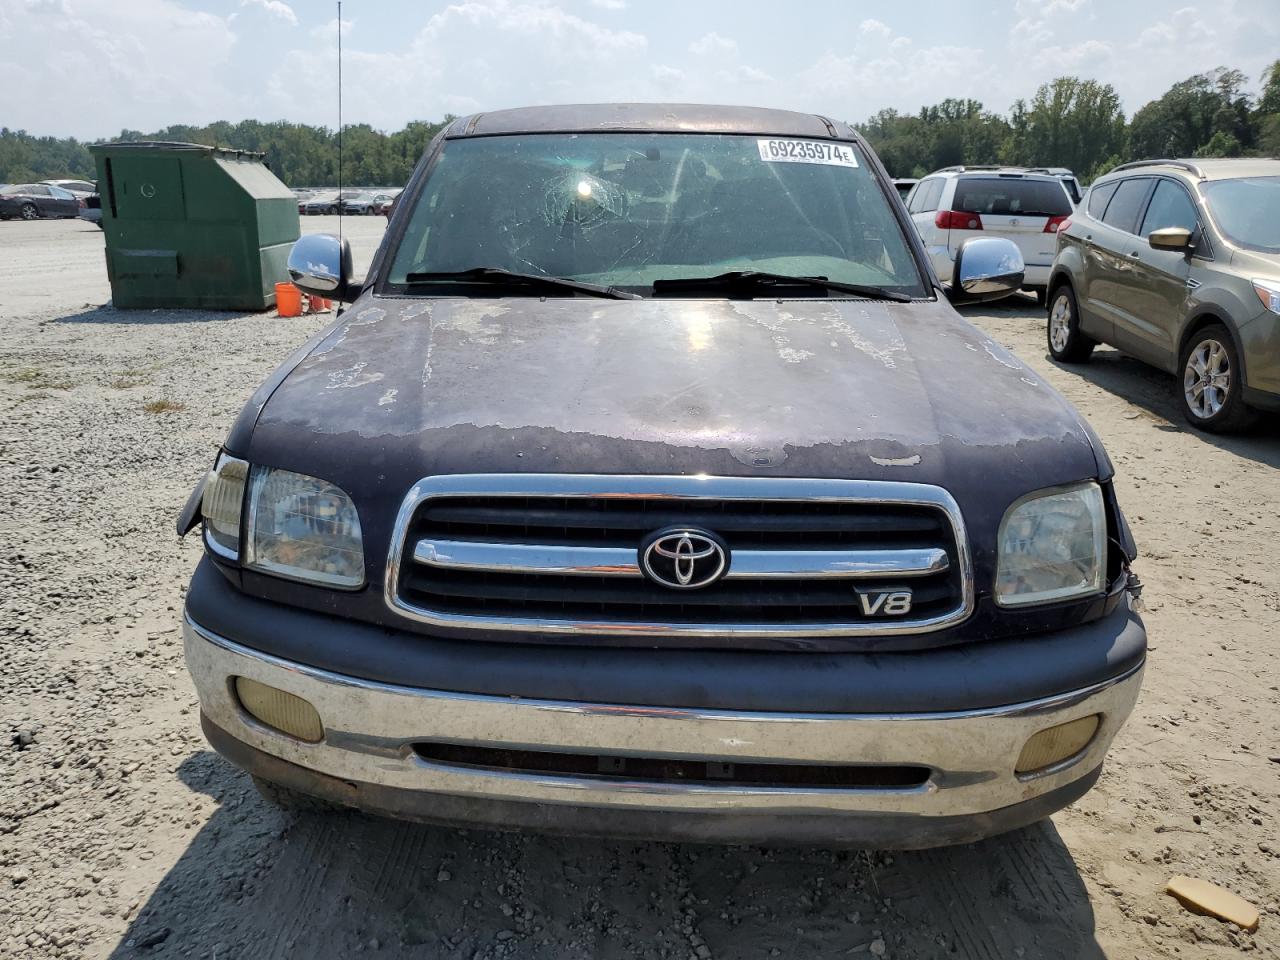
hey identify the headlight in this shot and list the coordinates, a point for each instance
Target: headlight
(220, 505)
(1269, 293)
(1052, 546)
(303, 528)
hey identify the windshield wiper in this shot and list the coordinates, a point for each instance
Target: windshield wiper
(752, 281)
(498, 276)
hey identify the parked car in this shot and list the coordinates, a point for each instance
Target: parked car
(665, 495)
(388, 206)
(904, 185)
(33, 201)
(320, 203)
(1068, 180)
(348, 197)
(359, 204)
(1177, 263)
(950, 205)
(78, 187)
(86, 192)
(382, 203)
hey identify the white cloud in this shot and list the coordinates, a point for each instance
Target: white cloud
(753, 74)
(875, 28)
(277, 8)
(1184, 28)
(712, 44)
(469, 56)
(1087, 58)
(1141, 64)
(142, 64)
(548, 22)
(328, 32)
(884, 70)
(1039, 20)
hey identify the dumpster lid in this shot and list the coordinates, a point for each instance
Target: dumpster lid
(174, 146)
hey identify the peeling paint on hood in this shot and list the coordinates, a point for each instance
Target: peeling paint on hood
(809, 388)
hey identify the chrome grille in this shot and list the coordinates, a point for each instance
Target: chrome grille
(560, 554)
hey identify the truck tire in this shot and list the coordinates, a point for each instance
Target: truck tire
(1067, 344)
(291, 800)
(1211, 386)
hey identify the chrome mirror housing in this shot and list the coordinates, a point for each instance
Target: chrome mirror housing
(986, 268)
(320, 264)
(1170, 238)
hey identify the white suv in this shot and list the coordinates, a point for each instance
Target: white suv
(951, 205)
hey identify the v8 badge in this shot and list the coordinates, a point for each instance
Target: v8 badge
(885, 603)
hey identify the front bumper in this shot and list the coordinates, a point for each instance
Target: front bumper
(367, 758)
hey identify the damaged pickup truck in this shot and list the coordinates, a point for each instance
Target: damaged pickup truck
(651, 486)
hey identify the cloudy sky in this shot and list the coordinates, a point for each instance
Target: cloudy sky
(90, 68)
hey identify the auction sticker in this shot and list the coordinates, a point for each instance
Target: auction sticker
(807, 151)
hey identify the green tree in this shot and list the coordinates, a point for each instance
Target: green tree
(1071, 123)
(1221, 144)
(900, 142)
(951, 132)
(1188, 116)
(1266, 119)
(24, 157)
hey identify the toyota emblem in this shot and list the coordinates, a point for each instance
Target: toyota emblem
(684, 558)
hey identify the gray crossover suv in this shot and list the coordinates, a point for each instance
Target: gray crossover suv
(1177, 263)
(644, 490)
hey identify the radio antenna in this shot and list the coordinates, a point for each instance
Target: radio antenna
(339, 311)
(339, 121)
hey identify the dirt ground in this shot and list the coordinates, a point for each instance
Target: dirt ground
(123, 835)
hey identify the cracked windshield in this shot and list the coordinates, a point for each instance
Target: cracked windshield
(625, 210)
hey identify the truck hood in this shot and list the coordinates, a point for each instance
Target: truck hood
(402, 388)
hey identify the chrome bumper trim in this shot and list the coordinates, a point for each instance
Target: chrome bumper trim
(370, 729)
(620, 562)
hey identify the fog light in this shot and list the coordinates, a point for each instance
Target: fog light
(279, 710)
(1057, 744)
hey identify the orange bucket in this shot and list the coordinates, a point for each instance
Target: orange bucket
(288, 300)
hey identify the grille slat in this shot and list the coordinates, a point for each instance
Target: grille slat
(593, 523)
(452, 583)
(518, 588)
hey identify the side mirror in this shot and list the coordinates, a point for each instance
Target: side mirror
(986, 268)
(320, 264)
(1170, 238)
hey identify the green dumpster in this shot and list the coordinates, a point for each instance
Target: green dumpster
(193, 226)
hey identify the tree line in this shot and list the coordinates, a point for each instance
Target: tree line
(1081, 124)
(299, 154)
(1070, 122)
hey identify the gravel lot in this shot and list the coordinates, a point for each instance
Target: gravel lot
(123, 835)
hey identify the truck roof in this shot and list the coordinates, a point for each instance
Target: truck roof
(650, 118)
